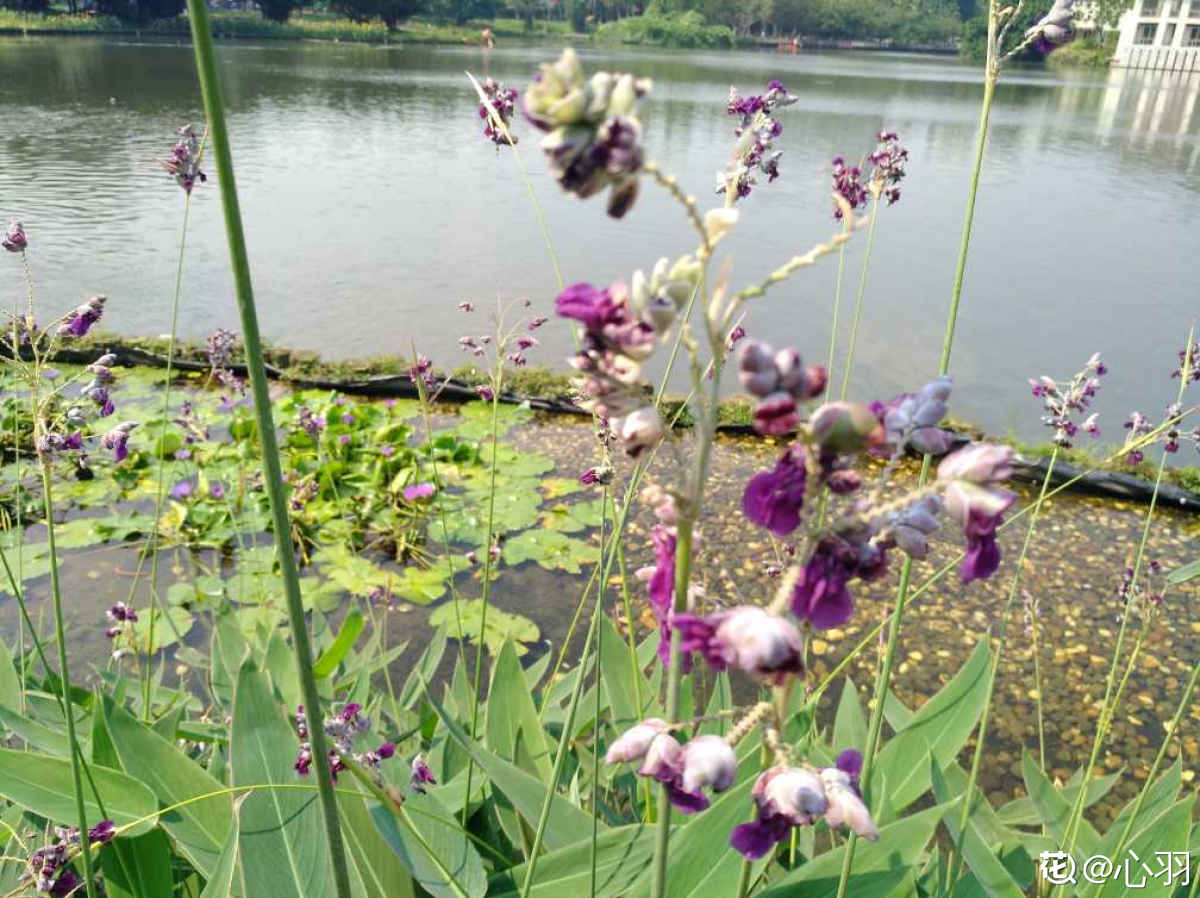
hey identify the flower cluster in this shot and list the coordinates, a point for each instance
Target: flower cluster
(787, 796)
(622, 328)
(14, 239)
(311, 423)
(757, 130)
(1062, 401)
(49, 866)
(1189, 361)
(1054, 28)
(705, 762)
(343, 729)
(779, 380)
(1139, 427)
(219, 348)
(887, 169)
(855, 185)
(78, 321)
(117, 440)
(593, 138)
(911, 419)
(503, 101)
(184, 162)
(121, 619)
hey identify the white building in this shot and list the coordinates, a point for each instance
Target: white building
(1160, 34)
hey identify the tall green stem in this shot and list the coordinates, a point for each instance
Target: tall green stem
(837, 305)
(1013, 585)
(162, 465)
(214, 107)
(64, 675)
(858, 302)
(883, 682)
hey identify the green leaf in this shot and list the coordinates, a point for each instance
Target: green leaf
(878, 866)
(170, 626)
(352, 628)
(429, 842)
(138, 867)
(220, 878)
(1021, 812)
(513, 729)
(850, 724)
(567, 822)
(1054, 809)
(991, 875)
(45, 786)
(420, 585)
(551, 550)
(10, 680)
(940, 727)
(1189, 571)
(616, 670)
(1167, 831)
(501, 625)
(283, 844)
(622, 856)
(199, 827)
(382, 873)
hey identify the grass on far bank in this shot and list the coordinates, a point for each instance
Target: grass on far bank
(232, 24)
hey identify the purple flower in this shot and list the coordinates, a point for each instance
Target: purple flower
(662, 586)
(467, 306)
(785, 797)
(983, 555)
(184, 162)
(749, 638)
(14, 239)
(485, 393)
(216, 490)
(850, 762)
(418, 491)
(421, 775)
(102, 832)
(821, 596)
(311, 424)
(847, 183)
(503, 101)
(845, 805)
(773, 499)
(587, 304)
(845, 427)
(911, 419)
(182, 490)
(387, 450)
(79, 320)
(117, 439)
(709, 762)
(641, 430)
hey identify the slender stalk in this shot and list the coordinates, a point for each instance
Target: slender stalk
(593, 880)
(858, 303)
(837, 305)
(162, 465)
(65, 677)
(1077, 808)
(210, 87)
(884, 679)
(743, 888)
(487, 581)
(1013, 585)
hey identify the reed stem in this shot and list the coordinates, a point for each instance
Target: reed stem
(210, 87)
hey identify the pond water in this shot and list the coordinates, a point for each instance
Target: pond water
(373, 205)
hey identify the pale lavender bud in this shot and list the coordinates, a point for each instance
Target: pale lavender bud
(845, 427)
(845, 806)
(708, 761)
(978, 463)
(797, 794)
(663, 760)
(756, 368)
(634, 742)
(641, 430)
(14, 239)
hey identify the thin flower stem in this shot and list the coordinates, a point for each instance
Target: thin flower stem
(596, 726)
(981, 737)
(162, 464)
(65, 676)
(883, 682)
(487, 575)
(1073, 820)
(858, 303)
(743, 888)
(837, 305)
(210, 86)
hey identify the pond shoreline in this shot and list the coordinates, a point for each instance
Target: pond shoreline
(549, 392)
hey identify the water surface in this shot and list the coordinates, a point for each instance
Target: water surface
(373, 206)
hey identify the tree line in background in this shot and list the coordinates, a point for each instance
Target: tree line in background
(667, 22)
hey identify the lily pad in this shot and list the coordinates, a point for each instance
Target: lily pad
(552, 550)
(501, 625)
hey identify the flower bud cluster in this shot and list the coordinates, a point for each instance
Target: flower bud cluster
(1063, 401)
(758, 129)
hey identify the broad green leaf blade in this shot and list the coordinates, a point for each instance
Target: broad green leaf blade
(1055, 809)
(1167, 832)
(620, 677)
(622, 855)
(221, 877)
(1160, 795)
(283, 846)
(138, 867)
(44, 785)
(513, 729)
(433, 847)
(10, 681)
(850, 724)
(1021, 812)
(1189, 571)
(352, 628)
(879, 867)
(199, 827)
(991, 875)
(939, 728)
(382, 873)
(567, 822)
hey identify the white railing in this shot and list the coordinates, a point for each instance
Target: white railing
(1170, 59)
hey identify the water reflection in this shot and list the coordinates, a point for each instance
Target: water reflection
(371, 202)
